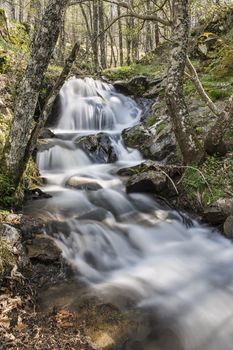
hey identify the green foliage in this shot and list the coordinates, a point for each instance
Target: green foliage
(151, 120)
(220, 94)
(7, 192)
(209, 182)
(161, 127)
(217, 88)
(127, 72)
(7, 258)
(31, 177)
(19, 37)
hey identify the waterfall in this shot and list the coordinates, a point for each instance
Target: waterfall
(129, 245)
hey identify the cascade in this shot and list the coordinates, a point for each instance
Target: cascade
(129, 245)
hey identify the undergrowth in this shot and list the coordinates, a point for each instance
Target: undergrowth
(211, 181)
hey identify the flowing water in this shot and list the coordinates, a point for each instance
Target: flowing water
(128, 246)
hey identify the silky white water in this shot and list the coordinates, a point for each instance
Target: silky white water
(128, 246)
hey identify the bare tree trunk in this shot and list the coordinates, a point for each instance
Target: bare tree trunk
(200, 89)
(95, 36)
(21, 11)
(120, 37)
(214, 143)
(53, 94)
(62, 45)
(16, 147)
(102, 34)
(189, 146)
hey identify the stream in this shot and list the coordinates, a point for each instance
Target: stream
(127, 246)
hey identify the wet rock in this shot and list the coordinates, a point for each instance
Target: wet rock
(46, 134)
(43, 249)
(82, 183)
(141, 86)
(219, 211)
(147, 165)
(29, 225)
(99, 147)
(163, 145)
(137, 137)
(156, 143)
(35, 194)
(228, 227)
(150, 181)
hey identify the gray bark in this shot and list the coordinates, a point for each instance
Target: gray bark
(214, 143)
(102, 34)
(53, 94)
(178, 111)
(15, 150)
(120, 37)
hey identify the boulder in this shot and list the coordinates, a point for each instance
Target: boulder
(228, 227)
(83, 183)
(218, 212)
(150, 181)
(156, 143)
(141, 85)
(99, 147)
(46, 133)
(43, 249)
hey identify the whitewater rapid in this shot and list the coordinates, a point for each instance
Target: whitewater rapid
(128, 245)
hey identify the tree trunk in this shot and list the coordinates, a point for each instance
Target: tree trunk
(102, 34)
(16, 147)
(53, 94)
(95, 36)
(21, 11)
(186, 138)
(120, 37)
(214, 143)
(199, 87)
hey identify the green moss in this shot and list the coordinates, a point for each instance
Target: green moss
(19, 37)
(7, 192)
(7, 258)
(127, 72)
(211, 181)
(151, 120)
(220, 94)
(161, 127)
(31, 177)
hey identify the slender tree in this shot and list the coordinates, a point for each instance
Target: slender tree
(16, 147)
(178, 110)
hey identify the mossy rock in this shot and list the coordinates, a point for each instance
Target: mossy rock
(19, 37)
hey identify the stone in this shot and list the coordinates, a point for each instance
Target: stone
(9, 233)
(150, 181)
(141, 85)
(43, 249)
(82, 183)
(99, 147)
(154, 143)
(46, 133)
(218, 212)
(228, 227)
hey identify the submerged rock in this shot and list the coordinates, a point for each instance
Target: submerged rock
(82, 183)
(150, 181)
(98, 147)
